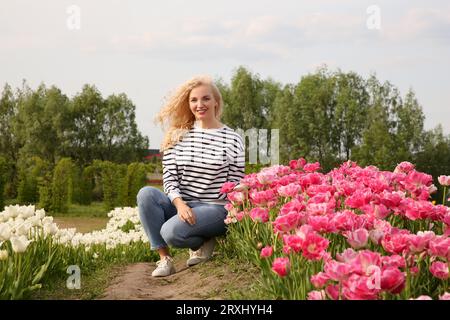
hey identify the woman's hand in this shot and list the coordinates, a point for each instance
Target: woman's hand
(184, 211)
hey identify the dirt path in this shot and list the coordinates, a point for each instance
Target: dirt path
(209, 280)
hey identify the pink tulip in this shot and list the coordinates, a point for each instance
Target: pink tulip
(314, 246)
(311, 167)
(297, 164)
(293, 205)
(236, 197)
(291, 190)
(419, 242)
(404, 167)
(240, 215)
(303, 231)
(379, 211)
(262, 198)
(227, 187)
(318, 209)
(332, 292)
(439, 270)
(281, 266)
(346, 220)
(228, 206)
(317, 295)
(445, 296)
(392, 280)
(423, 297)
(337, 271)
(319, 280)
(358, 238)
(365, 261)
(393, 261)
(359, 199)
(287, 222)
(376, 235)
(395, 243)
(360, 288)
(293, 242)
(348, 256)
(310, 179)
(440, 247)
(259, 215)
(444, 180)
(266, 176)
(321, 223)
(266, 252)
(391, 199)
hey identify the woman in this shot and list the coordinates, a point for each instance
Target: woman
(200, 155)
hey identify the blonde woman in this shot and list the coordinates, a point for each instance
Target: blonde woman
(200, 155)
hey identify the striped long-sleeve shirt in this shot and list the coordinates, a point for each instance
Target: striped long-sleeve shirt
(196, 167)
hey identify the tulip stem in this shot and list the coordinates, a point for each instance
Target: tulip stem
(443, 196)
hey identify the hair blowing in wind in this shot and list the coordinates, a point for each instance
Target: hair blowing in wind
(176, 118)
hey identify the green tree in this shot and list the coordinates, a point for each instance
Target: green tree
(38, 114)
(315, 105)
(120, 136)
(285, 115)
(378, 146)
(103, 129)
(244, 109)
(113, 175)
(134, 180)
(409, 119)
(9, 144)
(3, 173)
(434, 157)
(350, 116)
(60, 185)
(87, 185)
(83, 135)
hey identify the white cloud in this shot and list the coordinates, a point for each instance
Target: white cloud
(421, 24)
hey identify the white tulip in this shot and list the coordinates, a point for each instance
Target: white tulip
(23, 229)
(5, 232)
(47, 220)
(40, 214)
(12, 211)
(50, 228)
(19, 244)
(34, 221)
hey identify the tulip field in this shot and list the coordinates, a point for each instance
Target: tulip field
(33, 250)
(352, 234)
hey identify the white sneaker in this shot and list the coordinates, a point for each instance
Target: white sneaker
(204, 253)
(164, 267)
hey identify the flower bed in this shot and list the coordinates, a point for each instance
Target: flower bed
(353, 233)
(33, 250)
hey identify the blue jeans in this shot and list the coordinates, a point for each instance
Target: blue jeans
(164, 227)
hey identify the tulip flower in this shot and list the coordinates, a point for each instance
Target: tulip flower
(19, 244)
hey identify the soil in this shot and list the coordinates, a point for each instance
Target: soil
(209, 280)
(82, 224)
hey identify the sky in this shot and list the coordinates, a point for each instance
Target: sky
(146, 49)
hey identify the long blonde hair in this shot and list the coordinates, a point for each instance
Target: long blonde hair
(176, 114)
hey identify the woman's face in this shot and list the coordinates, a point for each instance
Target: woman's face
(202, 103)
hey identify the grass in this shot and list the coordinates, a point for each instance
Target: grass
(95, 209)
(93, 285)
